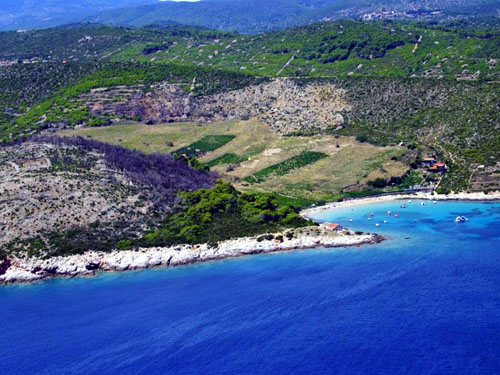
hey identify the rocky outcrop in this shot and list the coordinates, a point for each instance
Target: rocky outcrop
(285, 105)
(33, 269)
(4, 266)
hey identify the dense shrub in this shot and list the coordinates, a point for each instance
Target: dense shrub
(212, 215)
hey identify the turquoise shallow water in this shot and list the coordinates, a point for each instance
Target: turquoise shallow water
(427, 301)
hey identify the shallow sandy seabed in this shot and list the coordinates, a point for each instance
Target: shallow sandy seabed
(394, 197)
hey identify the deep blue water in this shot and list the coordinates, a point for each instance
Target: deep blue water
(427, 304)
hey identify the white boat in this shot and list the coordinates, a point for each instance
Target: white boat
(422, 203)
(377, 225)
(461, 219)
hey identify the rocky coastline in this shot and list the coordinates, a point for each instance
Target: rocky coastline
(26, 270)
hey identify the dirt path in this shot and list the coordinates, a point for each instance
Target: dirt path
(416, 44)
(287, 63)
(113, 52)
(472, 175)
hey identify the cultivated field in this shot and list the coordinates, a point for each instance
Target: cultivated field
(348, 164)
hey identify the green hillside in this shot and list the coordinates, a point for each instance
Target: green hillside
(433, 85)
(459, 50)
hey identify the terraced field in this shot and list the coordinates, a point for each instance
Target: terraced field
(206, 144)
(485, 178)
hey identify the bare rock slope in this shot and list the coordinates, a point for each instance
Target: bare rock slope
(284, 105)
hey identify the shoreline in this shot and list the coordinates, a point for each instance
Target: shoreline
(309, 212)
(27, 270)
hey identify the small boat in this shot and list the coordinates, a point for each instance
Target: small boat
(377, 225)
(422, 203)
(369, 218)
(404, 205)
(461, 219)
(409, 201)
(372, 215)
(396, 215)
(385, 221)
(389, 213)
(351, 220)
(435, 202)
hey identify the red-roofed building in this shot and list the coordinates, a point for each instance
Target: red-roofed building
(331, 226)
(438, 167)
(429, 162)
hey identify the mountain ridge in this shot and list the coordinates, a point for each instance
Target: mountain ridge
(247, 16)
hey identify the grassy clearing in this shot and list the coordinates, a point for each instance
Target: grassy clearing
(286, 166)
(157, 138)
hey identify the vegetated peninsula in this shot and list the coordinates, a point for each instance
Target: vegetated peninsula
(164, 145)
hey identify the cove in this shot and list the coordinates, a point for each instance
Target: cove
(426, 301)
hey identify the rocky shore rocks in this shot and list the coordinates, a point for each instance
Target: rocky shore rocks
(32, 269)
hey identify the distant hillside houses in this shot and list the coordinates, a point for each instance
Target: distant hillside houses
(6, 63)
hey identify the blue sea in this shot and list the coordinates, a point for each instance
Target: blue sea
(426, 301)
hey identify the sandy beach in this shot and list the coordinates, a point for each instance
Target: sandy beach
(494, 196)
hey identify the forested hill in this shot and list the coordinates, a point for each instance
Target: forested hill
(30, 14)
(453, 50)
